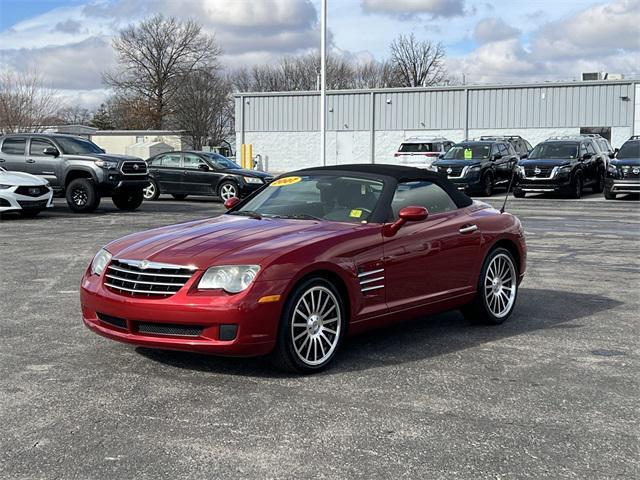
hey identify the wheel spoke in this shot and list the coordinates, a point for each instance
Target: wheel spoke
(306, 317)
(309, 311)
(299, 349)
(324, 305)
(326, 329)
(331, 320)
(321, 346)
(304, 332)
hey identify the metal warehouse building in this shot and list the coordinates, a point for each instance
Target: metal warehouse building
(367, 126)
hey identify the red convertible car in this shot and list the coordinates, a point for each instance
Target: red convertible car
(309, 258)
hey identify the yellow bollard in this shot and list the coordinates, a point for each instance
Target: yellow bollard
(250, 156)
(242, 155)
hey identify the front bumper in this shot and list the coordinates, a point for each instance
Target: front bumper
(249, 188)
(560, 184)
(613, 185)
(113, 180)
(213, 316)
(11, 201)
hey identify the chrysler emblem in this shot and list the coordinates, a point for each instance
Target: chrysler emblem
(449, 170)
(537, 171)
(144, 264)
(636, 171)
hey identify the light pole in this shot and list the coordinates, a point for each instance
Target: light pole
(323, 80)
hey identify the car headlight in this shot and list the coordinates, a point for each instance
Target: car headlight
(610, 169)
(106, 164)
(252, 180)
(473, 169)
(230, 278)
(433, 168)
(100, 262)
(564, 169)
(520, 170)
(4, 187)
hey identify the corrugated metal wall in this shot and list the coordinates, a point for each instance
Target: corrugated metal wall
(579, 104)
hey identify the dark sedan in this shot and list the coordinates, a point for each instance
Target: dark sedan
(200, 173)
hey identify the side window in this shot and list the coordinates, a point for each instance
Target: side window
(437, 147)
(421, 194)
(192, 161)
(14, 146)
(170, 160)
(583, 149)
(590, 149)
(494, 149)
(37, 146)
(503, 150)
(528, 146)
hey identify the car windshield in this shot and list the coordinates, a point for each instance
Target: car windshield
(321, 197)
(555, 150)
(629, 150)
(467, 152)
(221, 161)
(417, 147)
(77, 146)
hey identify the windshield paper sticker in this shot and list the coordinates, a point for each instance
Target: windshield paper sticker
(355, 213)
(468, 154)
(285, 181)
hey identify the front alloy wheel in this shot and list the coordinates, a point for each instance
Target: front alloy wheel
(311, 328)
(82, 196)
(228, 190)
(152, 191)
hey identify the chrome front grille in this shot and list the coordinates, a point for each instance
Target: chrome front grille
(540, 173)
(371, 280)
(147, 279)
(630, 172)
(134, 168)
(451, 172)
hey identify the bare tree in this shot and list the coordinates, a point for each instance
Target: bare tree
(417, 63)
(75, 115)
(154, 55)
(130, 112)
(204, 108)
(26, 104)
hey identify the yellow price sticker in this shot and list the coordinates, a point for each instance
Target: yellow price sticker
(468, 154)
(282, 182)
(355, 213)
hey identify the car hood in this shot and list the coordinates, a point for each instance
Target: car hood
(457, 163)
(20, 179)
(245, 172)
(222, 240)
(544, 162)
(111, 157)
(625, 162)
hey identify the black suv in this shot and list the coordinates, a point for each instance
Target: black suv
(200, 173)
(623, 173)
(561, 165)
(477, 167)
(76, 167)
(520, 145)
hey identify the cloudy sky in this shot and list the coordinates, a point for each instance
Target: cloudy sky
(492, 41)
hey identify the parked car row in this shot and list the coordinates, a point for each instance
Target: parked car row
(563, 164)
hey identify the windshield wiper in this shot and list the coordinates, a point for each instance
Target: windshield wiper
(301, 216)
(247, 213)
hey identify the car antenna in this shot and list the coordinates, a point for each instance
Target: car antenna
(513, 174)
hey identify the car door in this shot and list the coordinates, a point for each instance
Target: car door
(44, 166)
(429, 261)
(198, 176)
(12, 154)
(502, 165)
(590, 164)
(167, 170)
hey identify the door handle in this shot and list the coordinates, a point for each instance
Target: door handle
(31, 160)
(468, 229)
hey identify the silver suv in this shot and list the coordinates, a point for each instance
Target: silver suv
(421, 152)
(78, 168)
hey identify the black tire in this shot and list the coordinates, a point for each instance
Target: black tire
(285, 355)
(480, 311)
(152, 191)
(226, 188)
(30, 212)
(598, 187)
(609, 196)
(128, 199)
(178, 196)
(519, 194)
(577, 187)
(487, 184)
(82, 195)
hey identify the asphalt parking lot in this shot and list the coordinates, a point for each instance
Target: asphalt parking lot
(553, 393)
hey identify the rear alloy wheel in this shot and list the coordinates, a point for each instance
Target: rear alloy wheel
(497, 289)
(599, 185)
(128, 199)
(82, 196)
(577, 187)
(311, 327)
(152, 192)
(487, 185)
(228, 190)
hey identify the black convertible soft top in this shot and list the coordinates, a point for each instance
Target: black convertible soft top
(400, 174)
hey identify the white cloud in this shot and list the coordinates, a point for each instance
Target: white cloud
(404, 8)
(493, 29)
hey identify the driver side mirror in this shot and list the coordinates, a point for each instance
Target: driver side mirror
(496, 156)
(53, 151)
(231, 202)
(524, 155)
(204, 167)
(441, 155)
(586, 156)
(406, 214)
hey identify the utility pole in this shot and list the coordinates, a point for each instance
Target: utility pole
(323, 80)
